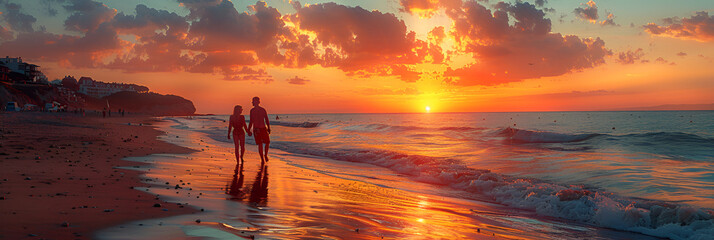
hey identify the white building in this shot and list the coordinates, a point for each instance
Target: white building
(99, 89)
(32, 71)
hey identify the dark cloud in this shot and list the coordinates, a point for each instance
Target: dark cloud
(527, 49)
(699, 27)
(87, 15)
(79, 51)
(682, 54)
(610, 21)
(540, 3)
(296, 4)
(245, 73)
(630, 57)
(221, 27)
(297, 80)
(588, 13)
(17, 20)
(6, 34)
(49, 4)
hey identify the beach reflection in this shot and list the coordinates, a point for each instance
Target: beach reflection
(259, 191)
(236, 185)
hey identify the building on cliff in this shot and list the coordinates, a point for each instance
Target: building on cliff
(31, 72)
(98, 89)
(4, 73)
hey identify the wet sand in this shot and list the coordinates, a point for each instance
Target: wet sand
(61, 177)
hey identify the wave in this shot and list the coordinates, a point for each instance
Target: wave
(577, 203)
(671, 145)
(378, 127)
(296, 124)
(528, 136)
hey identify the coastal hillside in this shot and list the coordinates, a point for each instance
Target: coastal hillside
(135, 102)
(150, 103)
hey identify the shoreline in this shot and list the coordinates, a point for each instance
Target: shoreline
(63, 176)
(300, 195)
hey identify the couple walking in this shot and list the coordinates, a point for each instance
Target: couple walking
(261, 129)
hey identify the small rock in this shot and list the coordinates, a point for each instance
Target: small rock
(108, 210)
(65, 224)
(157, 205)
(28, 178)
(198, 220)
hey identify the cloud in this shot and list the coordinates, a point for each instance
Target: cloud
(699, 27)
(359, 41)
(248, 74)
(389, 91)
(630, 57)
(17, 20)
(540, 3)
(588, 13)
(423, 8)
(87, 15)
(661, 60)
(79, 51)
(682, 54)
(6, 34)
(297, 80)
(610, 21)
(525, 50)
(427, 8)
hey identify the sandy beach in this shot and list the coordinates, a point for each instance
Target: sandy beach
(60, 178)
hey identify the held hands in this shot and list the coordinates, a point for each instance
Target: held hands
(250, 134)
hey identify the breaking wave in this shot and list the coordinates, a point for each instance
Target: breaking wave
(577, 203)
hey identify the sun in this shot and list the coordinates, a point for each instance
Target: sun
(427, 108)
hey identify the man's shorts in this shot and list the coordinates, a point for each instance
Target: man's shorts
(261, 135)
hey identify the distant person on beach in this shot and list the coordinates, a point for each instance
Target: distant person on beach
(237, 124)
(260, 124)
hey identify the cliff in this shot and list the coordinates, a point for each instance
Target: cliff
(149, 103)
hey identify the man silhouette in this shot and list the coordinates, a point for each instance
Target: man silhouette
(261, 128)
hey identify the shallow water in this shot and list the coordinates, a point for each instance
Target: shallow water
(524, 175)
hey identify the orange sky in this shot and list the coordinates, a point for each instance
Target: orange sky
(399, 56)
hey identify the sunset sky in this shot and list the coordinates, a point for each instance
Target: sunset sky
(379, 56)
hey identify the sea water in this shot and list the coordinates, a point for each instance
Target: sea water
(644, 172)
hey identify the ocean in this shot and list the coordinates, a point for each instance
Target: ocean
(549, 175)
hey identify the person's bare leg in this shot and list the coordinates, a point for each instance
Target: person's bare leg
(267, 145)
(242, 150)
(238, 154)
(260, 152)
